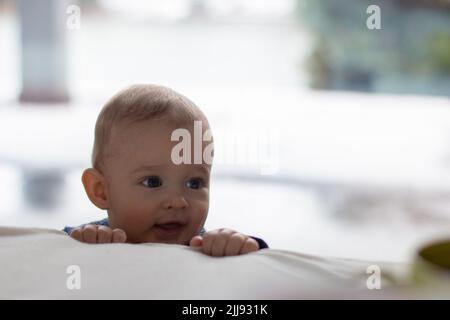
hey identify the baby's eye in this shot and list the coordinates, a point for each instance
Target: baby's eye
(194, 183)
(152, 182)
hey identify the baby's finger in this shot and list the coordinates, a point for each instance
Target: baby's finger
(220, 243)
(118, 236)
(250, 245)
(104, 234)
(196, 241)
(90, 233)
(235, 244)
(76, 234)
(208, 241)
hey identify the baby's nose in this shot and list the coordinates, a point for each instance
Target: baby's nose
(176, 201)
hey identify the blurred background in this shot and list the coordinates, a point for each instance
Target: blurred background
(333, 138)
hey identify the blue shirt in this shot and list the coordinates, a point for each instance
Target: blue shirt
(104, 222)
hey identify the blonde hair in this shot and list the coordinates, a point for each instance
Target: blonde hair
(139, 103)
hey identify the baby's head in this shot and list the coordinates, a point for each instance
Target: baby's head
(134, 177)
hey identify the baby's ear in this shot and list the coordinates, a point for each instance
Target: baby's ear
(95, 186)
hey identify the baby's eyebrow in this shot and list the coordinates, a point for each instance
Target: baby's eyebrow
(146, 168)
(204, 169)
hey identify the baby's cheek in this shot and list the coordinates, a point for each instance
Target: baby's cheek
(135, 218)
(200, 214)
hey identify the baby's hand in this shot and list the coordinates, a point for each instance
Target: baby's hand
(98, 234)
(224, 242)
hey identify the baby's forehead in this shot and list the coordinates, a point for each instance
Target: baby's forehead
(161, 137)
(151, 143)
(159, 128)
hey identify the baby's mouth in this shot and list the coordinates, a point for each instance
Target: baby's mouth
(165, 230)
(169, 226)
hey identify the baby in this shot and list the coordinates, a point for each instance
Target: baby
(148, 196)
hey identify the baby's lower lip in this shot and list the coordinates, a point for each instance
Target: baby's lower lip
(169, 226)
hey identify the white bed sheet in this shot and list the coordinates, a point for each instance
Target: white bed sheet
(34, 264)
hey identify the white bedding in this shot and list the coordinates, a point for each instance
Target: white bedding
(34, 264)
